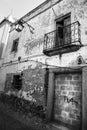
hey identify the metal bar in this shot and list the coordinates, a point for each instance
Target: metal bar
(64, 26)
(54, 41)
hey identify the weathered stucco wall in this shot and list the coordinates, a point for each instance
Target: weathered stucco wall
(33, 83)
(33, 62)
(31, 43)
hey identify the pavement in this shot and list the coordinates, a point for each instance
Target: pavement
(9, 123)
(11, 120)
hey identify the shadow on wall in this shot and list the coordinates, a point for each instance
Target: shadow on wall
(1, 48)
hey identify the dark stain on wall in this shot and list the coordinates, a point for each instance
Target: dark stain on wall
(32, 44)
(33, 82)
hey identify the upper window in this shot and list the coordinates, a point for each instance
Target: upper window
(63, 33)
(15, 45)
(64, 39)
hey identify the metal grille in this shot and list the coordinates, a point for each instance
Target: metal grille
(63, 37)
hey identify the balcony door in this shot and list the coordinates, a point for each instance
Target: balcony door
(63, 31)
(67, 31)
(59, 35)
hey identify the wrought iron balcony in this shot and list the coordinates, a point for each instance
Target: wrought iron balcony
(63, 40)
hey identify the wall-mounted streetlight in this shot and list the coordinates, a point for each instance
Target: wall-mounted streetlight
(19, 26)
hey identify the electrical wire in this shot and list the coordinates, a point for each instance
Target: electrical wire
(45, 64)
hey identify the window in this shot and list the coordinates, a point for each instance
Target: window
(15, 45)
(63, 33)
(66, 38)
(17, 82)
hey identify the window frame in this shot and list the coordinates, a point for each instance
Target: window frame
(59, 20)
(17, 82)
(15, 45)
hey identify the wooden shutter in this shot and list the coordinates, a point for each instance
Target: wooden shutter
(59, 35)
(8, 82)
(67, 30)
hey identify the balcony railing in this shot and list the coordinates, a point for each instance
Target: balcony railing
(62, 38)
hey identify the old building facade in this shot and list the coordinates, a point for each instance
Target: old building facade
(45, 60)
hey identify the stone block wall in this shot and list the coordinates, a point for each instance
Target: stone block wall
(67, 102)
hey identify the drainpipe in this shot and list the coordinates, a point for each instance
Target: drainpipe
(46, 79)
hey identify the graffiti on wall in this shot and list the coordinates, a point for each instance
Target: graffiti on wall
(70, 100)
(33, 84)
(29, 45)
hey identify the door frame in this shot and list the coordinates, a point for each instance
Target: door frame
(52, 71)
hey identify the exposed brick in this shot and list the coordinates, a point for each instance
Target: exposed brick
(62, 77)
(66, 120)
(76, 122)
(57, 88)
(58, 117)
(65, 109)
(61, 98)
(77, 77)
(75, 83)
(63, 88)
(78, 107)
(56, 83)
(60, 82)
(64, 93)
(77, 88)
(73, 106)
(58, 93)
(56, 96)
(75, 111)
(57, 111)
(78, 94)
(59, 103)
(72, 116)
(78, 98)
(78, 117)
(72, 93)
(69, 77)
(70, 84)
(69, 88)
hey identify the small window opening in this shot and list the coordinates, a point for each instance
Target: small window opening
(15, 45)
(17, 82)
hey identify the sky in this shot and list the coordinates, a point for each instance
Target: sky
(17, 8)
